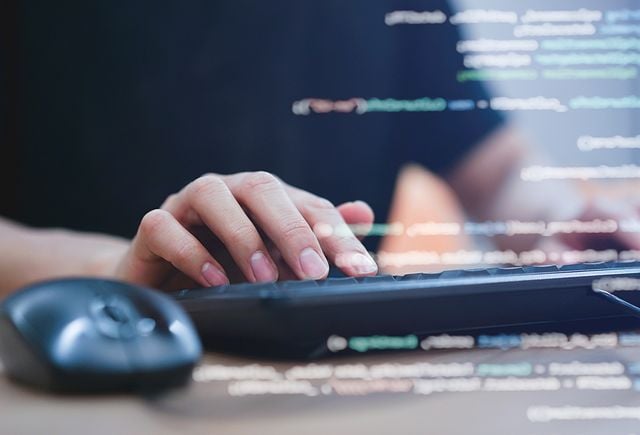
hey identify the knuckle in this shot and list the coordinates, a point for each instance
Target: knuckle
(205, 185)
(296, 230)
(170, 201)
(260, 181)
(241, 235)
(314, 202)
(153, 221)
(183, 254)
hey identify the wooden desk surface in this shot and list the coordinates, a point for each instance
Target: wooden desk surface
(207, 407)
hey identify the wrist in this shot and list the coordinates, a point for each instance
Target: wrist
(104, 262)
(83, 254)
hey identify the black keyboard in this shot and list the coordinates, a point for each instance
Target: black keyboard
(296, 318)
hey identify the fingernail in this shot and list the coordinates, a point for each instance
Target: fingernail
(363, 264)
(262, 268)
(213, 275)
(360, 263)
(312, 265)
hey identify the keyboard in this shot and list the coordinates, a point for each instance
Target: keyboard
(297, 318)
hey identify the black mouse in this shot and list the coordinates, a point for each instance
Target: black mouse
(95, 335)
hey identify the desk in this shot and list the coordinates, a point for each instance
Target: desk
(609, 378)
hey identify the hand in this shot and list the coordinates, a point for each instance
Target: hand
(614, 210)
(248, 226)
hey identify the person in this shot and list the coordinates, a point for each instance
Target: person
(121, 105)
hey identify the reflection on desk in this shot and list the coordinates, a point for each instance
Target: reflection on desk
(550, 383)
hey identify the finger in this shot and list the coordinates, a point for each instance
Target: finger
(629, 240)
(605, 209)
(178, 206)
(619, 211)
(179, 281)
(357, 212)
(161, 239)
(336, 238)
(555, 251)
(284, 271)
(628, 233)
(359, 216)
(214, 203)
(272, 209)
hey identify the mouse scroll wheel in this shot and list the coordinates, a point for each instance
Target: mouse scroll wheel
(116, 313)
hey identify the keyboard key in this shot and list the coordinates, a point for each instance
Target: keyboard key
(541, 269)
(568, 267)
(293, 285)
(463, 273)
(201, 292)
(509, 271)
(378, 278)
(336, 281)
(475, 272)
(418, 276)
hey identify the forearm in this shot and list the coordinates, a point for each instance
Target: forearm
(28, 255)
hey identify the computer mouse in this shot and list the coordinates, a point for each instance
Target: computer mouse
(95, 335)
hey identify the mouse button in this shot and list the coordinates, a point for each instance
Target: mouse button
(43, 314)
(175, 346)
(164, 310)
(79, 346)
(149, 304)
(146, 326)
(152, 354)
(166, 347)
(95, 356)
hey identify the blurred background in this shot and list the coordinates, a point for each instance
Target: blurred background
(109, 107)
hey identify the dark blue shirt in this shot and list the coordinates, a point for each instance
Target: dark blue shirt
(126, 102)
